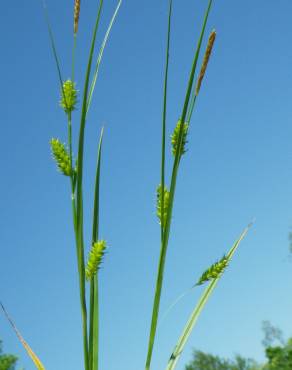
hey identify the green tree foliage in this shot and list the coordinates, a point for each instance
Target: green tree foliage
(206, 361)
(7, 362)
(279, 357)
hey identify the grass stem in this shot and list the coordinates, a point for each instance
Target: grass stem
(166, 232)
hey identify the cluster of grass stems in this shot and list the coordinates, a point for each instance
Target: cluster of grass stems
(88, 271)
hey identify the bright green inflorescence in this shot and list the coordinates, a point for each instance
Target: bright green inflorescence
(214, 271)
(68, 96)
(61, 156)
(175, 137)
(95, 258)
(162, 213)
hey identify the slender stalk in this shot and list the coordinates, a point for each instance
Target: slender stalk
(73, 56)
(72, 175)
(95, 342)
(83, 120)
(198, 309)
(164, 117)
(94, 301)
(79, 200)
(164, 243)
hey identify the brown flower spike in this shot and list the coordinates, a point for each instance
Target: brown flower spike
(211, 41)
(76, 15)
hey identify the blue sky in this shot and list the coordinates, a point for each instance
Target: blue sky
(238, 166)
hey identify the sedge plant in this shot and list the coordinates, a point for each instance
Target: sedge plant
(72, 168)
(166, 196)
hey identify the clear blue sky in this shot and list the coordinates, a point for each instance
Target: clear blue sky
(238, 166)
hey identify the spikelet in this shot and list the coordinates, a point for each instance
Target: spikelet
(61, 156)
(209, 48)
(76, 15)
(162, 213)
(175, 137)
(214, 271)
(95, 258)
(68, 96)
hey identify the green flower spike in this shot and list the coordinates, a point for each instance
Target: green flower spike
(214, 271)
(61, 156)
(159, 211)
(68, 96)
(175, 136)
(95, 258)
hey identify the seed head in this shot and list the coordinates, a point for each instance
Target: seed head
(175, 137)
(208, 51)
(214, 271)
(162, 212)
(95, 258)
(61, 156)
(76, 15)
(68, 96)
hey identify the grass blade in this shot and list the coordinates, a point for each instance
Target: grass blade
(164, 116)
(100, 54)
(79, 201)
(53, 46)
(94, 301)
(199, 307)
(164, 243)
(29, 351)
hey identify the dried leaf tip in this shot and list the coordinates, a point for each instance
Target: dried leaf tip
(95, 258)
(208, 52)
(76, 15)
(38, 364)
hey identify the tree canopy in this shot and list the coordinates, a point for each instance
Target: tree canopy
(7, 362)
(278, 357)
(207, 361)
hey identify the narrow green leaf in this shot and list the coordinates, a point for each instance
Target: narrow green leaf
(155, 309)
(164, 111)
(54, 49)
(94, 300)
(199, 307)
(79, 197)
(100, 54)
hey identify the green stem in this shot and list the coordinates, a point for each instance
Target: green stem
(164, 243)
(79, 256)
(95, 342)
(94, 300)
(73, 56)
(164, 118)
(79, 192)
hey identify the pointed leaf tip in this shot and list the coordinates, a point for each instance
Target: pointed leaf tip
(30, 352)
